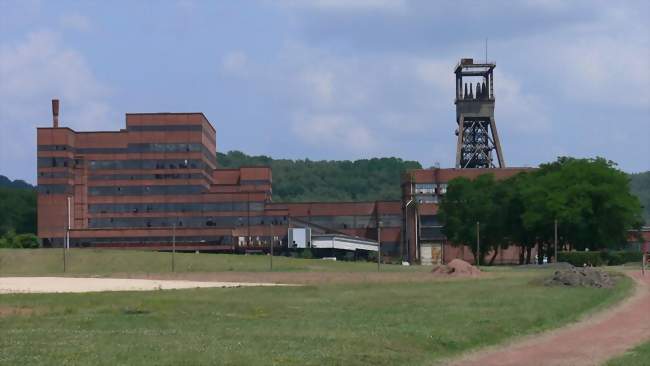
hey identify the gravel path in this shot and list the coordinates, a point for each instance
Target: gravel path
(10, 285)
(589, 342)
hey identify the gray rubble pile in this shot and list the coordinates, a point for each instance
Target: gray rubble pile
(581, 277)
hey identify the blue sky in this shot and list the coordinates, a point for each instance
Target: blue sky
(332, 79)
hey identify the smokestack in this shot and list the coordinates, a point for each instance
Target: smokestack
(55, 113)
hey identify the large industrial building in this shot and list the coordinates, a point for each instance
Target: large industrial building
(156, 183)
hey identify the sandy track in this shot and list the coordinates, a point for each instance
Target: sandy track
(78, 284)
(589, 342)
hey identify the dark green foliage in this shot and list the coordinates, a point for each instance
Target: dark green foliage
(8, 183)
(307, 180)
(24, 241)
(616, 258)
(17, 210)
(599, 258)
(589, 198)
(579, 259)
(640, 186)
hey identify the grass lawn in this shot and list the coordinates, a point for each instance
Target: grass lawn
(413, 323)
(639, 356)
(97, 261)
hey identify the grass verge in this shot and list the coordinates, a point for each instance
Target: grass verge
(103, 261)
(334, 324)
(639, 356)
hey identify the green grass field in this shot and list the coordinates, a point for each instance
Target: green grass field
(411, 323)
(93, 261)
(639, 356)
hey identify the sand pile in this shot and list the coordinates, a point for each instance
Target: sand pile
(457, 267)
(581, 277)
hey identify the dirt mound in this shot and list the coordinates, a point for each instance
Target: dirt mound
(581, 277)
(457, 267)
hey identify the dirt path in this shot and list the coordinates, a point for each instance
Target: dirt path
(9, 285)
(589, 342)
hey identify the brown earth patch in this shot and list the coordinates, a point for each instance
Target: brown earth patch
(7, 311)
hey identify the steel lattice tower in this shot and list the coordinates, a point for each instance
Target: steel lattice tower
(477, 130)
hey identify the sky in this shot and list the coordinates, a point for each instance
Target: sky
(332, 79)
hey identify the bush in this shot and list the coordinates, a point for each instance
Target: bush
(306, 254)
(579, 259)
(609, 258)
(27, 241)
(11, 240)
(615, 258)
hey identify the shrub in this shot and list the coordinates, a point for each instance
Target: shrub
(609, 258)
(11, 240)
(615, 258)
(579, 259)
(27, 241)
(306, 254)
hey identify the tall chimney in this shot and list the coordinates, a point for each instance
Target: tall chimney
(55, 113)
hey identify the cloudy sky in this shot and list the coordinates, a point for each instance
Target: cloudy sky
(332, 79)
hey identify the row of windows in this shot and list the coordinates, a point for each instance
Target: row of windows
(431, 233)
(354, 222)
(131, 148)
(171, 128)
(145, 190)
(426, 198)
(175, 207)
(64, 174)
(55, 162)
(430, 188)
(204, 240)
(429, 220)
(135, 148)
(54, 189)
(195, 222)
(147, 164)
(146, 176)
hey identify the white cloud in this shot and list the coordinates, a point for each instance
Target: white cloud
(333, 132)
(34, 70)
(235, 63)
(75, 22)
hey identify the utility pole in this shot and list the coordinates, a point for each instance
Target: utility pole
(173, 246)
(478, 246)
(555, 240)
(271, 241)
(379, 246)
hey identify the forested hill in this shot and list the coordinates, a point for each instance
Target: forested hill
(344, 180)
(8, 183)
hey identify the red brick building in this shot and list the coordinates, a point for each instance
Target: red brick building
(156, 182)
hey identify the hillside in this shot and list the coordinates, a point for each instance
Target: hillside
(307, 180)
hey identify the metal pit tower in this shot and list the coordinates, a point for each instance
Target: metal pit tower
(477, 130)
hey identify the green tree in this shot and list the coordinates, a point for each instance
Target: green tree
(469, 202)
(590, 198)
(308, 180)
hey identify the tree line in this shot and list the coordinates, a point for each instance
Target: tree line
(328, 180)
(589, 198)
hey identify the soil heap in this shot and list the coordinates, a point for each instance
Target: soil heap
(581, 277)
(457, 267)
